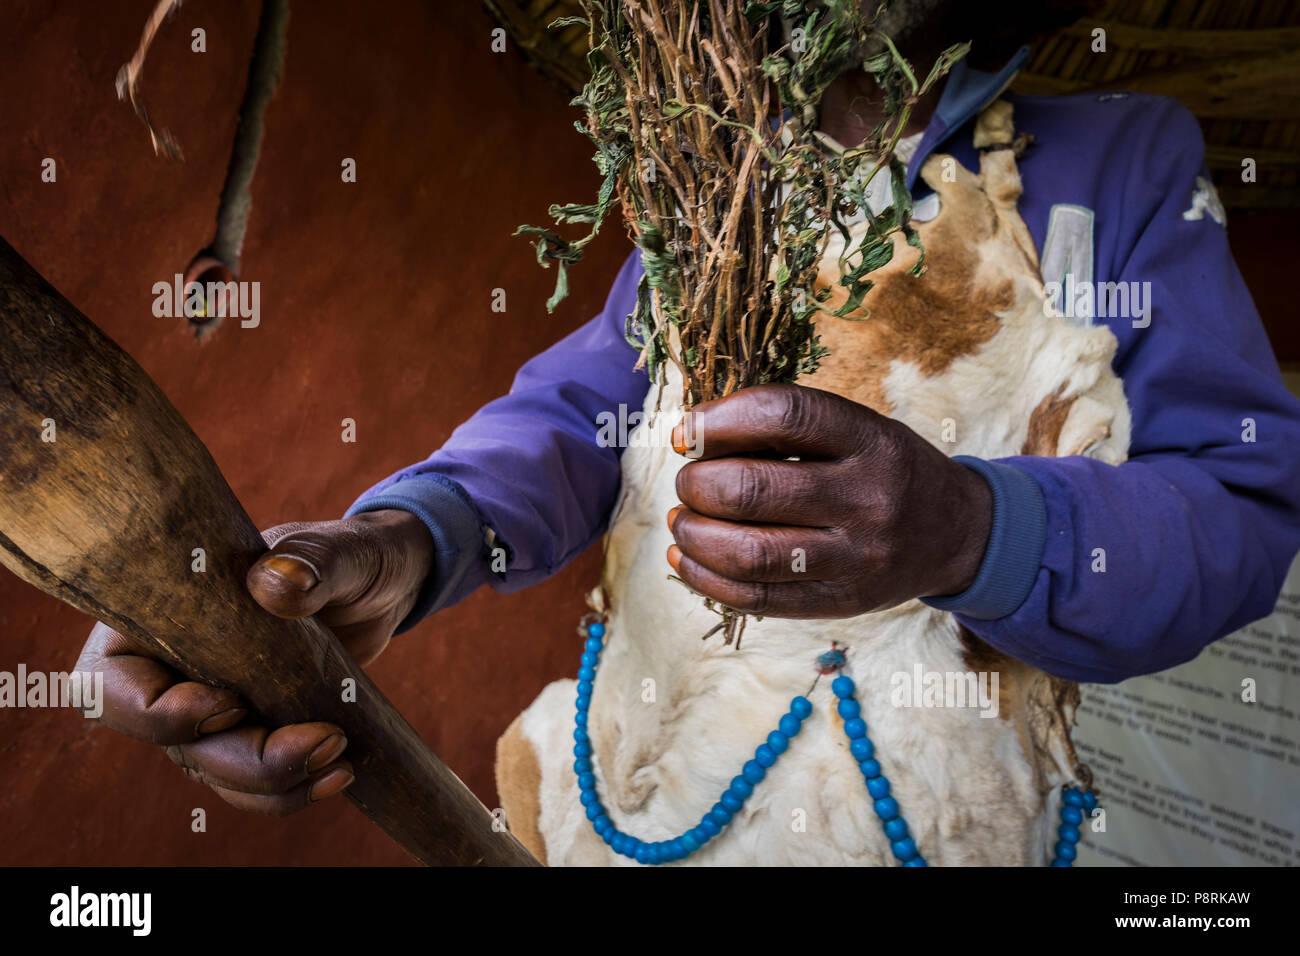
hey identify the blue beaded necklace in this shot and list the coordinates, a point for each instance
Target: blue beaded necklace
(1074, 803)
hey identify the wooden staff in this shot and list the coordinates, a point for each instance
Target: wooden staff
(105, 492)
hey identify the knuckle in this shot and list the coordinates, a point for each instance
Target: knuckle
(756, 597)
(742, 496)
(791, 408)
(759, 558)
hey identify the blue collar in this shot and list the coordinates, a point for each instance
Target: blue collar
(965, 93)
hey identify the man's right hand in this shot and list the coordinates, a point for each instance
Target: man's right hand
(360, 576)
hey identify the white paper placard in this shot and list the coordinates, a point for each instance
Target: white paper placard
(1189, 769)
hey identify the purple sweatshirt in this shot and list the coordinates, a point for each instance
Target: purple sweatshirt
(1198, 527)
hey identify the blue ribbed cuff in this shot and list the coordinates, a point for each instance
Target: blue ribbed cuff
(459, 564)
(1014, 551)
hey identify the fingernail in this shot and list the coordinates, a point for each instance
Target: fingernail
(674, 556)
(333, 782)
(222, 721)
(679, 438)
(294, 570)
(672, 516)
(326, 752)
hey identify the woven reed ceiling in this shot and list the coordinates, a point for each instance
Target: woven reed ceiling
(1234, 63)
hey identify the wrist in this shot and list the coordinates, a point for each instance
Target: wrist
(966, 525)
(1012, 560)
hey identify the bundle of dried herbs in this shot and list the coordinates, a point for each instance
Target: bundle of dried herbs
(704, 117)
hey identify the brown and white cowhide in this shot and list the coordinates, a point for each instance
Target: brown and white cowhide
(965, 351)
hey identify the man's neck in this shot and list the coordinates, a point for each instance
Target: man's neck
(852, 107)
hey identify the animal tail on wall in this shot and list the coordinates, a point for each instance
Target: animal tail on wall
(704, 119)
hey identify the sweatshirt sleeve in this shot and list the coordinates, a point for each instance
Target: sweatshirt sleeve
(524, 485)
(1143, 564)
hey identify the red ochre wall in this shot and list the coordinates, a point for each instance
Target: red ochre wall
(375, 306)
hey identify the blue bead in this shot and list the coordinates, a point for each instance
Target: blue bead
(596, 629)
(1089, 802)
(916, 861)
(700, 835)
(801, 707)
(848, 708)
(904, 849)
(580, 736)
(589, 659)
(621, 841)
(655, 854)
(586, 781)
(642, 854)
(741, 787)
(689, 842)
(1068, 833)
(720, 815)
(601, 824)
(608, 836)
(583, 702)
(1066, 851)
(594, 811)
(753, 771)
(778, 742)
(896, 829)
(1072, 798)
(732, 802)
(580, 719)
(593, 645)
(582, 765)
(633, 845)
(1064, 863)
(589, 797)
(1071, 815)
(585, 687)
(831, 661)
(789, 725)
(887, 808)
(862, 748)
(842, 687)
(582, 750)
(878, 787)
(855, 728)
(870, 768)
(709, 826)
(765, 755)
(586, 673)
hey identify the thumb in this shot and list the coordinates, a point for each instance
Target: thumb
(314, 565)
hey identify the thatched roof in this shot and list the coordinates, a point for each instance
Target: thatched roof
(1234, 63)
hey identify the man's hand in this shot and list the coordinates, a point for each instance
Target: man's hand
(869, 516)
(359, 576)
